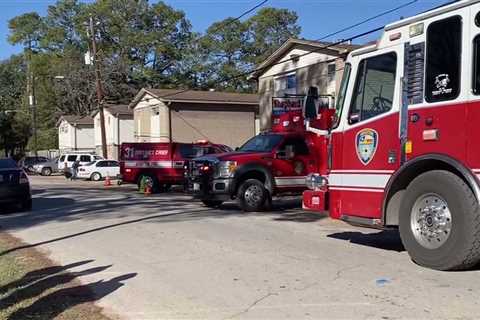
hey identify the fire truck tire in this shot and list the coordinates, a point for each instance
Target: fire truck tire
(252, 195)
(440, 222)
(212, 203)
(150, 179)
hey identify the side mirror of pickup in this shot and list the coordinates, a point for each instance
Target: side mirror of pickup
(237, 148)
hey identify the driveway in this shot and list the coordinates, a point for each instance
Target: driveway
(174, 259)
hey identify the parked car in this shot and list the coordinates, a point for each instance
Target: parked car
(69, 158)
(28, 162)
(99, 169)
(14, 185)
(46, 168)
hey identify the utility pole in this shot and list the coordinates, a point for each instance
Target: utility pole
(98, 83)
(31, 98)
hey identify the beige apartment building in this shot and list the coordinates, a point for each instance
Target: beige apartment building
(306, 64)
(162, 115)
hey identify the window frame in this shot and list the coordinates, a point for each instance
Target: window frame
(356, 83)
(427, 99)
(475, 67)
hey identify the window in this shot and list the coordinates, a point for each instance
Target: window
(261, 143)
(7, 163)
(300, 148)
(476, 65)
(189, 151)
(374, 87)
(102, 163)
(85, 158)
(342, 92)
(285, 85)
(72, 157)
(444, 44)
(114, 164)
(62, 158)
(331, 70)
(97, 157)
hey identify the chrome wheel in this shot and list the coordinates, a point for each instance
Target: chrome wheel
(431, 221)
(253, 195)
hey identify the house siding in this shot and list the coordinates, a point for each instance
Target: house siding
(310, 70)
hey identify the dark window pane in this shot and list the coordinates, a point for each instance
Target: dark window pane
(71, 158)
(62, 158)
(444, 43)
(374, 86)
(85, 158)
(7, 163)
(476, 65)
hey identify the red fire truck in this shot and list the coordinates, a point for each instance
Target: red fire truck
(161, 165)
(270, 164)
(402, 151)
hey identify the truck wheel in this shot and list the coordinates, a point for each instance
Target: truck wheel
(46, 172)
(150, 180)
(440, 222)
(212, 203)
(252, 195)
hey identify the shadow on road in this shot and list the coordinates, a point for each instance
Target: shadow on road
(385, 240)
(54, 290)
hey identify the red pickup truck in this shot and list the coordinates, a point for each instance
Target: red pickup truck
(270, 164)
(161, 165)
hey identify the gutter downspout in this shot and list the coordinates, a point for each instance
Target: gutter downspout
(118, 136)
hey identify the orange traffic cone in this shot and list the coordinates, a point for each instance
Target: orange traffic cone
(108, 182)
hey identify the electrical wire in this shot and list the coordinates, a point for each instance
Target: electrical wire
(244, 74)
(367, 20)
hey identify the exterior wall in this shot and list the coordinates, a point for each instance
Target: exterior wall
(85, 137)
(66, 137)
(112, 124)
(309, 70)
(151, 120)
(231, 128)
(71, 138)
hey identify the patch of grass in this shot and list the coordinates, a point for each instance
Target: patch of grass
(33, 287)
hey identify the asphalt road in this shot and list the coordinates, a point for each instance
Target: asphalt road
(167, 257)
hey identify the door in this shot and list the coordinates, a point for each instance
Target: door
(369, 136)
(291, 164)
(70, 159)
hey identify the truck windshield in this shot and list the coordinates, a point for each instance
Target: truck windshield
(261, 143)
(342, 92)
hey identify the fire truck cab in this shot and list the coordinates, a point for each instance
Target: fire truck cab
(403, 149)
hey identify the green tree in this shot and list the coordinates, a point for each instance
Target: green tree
(268, 30)
(14, 114)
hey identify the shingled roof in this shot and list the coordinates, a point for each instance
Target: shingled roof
(116, 109)
(76, 120)
(310, 45)
(197, 96)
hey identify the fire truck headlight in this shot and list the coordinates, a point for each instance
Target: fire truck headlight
(316, 182)
(226, 168)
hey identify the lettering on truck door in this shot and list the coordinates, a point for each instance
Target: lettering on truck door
(368, 135)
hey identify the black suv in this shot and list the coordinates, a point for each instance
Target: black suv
(14, 185)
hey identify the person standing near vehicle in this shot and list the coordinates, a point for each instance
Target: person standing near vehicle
(75, 166)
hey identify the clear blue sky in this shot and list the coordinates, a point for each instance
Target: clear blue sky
(316, 17)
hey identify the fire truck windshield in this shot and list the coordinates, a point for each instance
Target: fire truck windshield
(261, 143)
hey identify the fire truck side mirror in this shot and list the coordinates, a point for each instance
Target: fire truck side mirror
(353, 118)
(324, 120)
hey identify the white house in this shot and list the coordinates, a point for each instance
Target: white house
(162, 115)
(75, 133)
(295, 67)
(119, 128)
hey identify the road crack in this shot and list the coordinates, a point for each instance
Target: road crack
(247, 309)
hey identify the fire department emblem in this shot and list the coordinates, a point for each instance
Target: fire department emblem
(366, 144)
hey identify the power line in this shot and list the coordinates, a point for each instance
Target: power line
(316, 50)
(367, 20)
